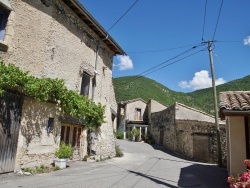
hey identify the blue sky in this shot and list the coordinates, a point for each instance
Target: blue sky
(167, 24)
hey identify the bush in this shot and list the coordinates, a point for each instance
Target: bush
(242, 180)
(85, 157)
(118, 151)
(65, 151)
(119, 135)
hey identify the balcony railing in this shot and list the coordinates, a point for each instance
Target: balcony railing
(134, 118)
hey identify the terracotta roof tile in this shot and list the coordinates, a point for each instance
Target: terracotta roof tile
(235, 100)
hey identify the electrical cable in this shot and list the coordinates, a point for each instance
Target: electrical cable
(162, 50)
(123, 15)
(142, 75)
(194, 47)
(204, 21)
(218, 19)
(175, 61)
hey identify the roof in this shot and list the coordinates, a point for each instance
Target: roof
(234, 101)
(193, 109)
(132, 100)
(83, 14)
(157, 102)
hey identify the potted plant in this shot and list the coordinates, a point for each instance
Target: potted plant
(136, 133)
(62, 154)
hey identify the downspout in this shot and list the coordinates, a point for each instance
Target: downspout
(95, 72)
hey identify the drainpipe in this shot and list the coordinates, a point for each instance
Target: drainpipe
(96, 61)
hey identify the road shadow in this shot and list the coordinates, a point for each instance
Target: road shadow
(158, 181)
(169, 152)
(201, 175)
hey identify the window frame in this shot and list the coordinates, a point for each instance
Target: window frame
(85, 84)
(3, 22)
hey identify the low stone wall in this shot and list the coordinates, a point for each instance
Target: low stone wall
(197, 140)
(194, 139)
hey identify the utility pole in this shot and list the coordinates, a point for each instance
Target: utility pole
(215, 104)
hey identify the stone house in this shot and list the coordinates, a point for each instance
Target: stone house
(55, 39)
(136, 113)
(235, 109)
(132, 114)
(187, 131)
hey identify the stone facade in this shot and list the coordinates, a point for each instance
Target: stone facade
(189, 132)
(48, 39)
(35, 144)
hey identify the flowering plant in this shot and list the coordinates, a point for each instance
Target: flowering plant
(242, 180)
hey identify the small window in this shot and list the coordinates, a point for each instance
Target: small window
(85, 84)
(50, 126)
(3, 21)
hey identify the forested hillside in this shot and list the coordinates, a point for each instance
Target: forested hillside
(131, 87)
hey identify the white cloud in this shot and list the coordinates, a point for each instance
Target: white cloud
(125, 63)
(200, 80)
(247, 41)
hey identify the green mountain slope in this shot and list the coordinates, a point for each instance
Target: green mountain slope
(131, 87)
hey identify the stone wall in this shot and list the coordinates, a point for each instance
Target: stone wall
(35, 144)
(48, 39)
(164, 120)
(191, 138)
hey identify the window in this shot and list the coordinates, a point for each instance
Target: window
(138, 114)
(85, 84)
(3, 21)
(50, 126)
(71, 134)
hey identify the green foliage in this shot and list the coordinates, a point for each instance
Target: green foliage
(55, 168)
(135, 132)
(119, 135)
(131, 87)
(65, 151)
(47, 89)
(118, 151)
(85, 157)
(39, 169)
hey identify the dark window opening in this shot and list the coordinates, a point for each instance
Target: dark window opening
(50, 126)
(3, 22)
(85, 84)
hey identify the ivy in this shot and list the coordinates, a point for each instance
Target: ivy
(48, 89)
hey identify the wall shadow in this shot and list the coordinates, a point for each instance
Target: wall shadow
(174, 154)
(197, 175)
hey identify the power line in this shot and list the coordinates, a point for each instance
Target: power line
(204, 21)
(123, 15)
(218, 19)
(168, 60)
(162, 50)
(175, 61)
(142, 74)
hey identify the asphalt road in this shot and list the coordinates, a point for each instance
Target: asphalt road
(142, 166)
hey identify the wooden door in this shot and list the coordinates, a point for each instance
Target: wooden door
(10, 116)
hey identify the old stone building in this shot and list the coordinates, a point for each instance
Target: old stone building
(59, 39)
(189, 132)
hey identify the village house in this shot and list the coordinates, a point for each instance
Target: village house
(54, 39)
(132, 114)
(235, 109)
(136, 113)
(187, 131)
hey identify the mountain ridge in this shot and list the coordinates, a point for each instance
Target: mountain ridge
(131, 87)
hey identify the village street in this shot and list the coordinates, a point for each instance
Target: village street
(142, 166)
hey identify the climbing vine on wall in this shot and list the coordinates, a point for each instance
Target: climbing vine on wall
(47, 89)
